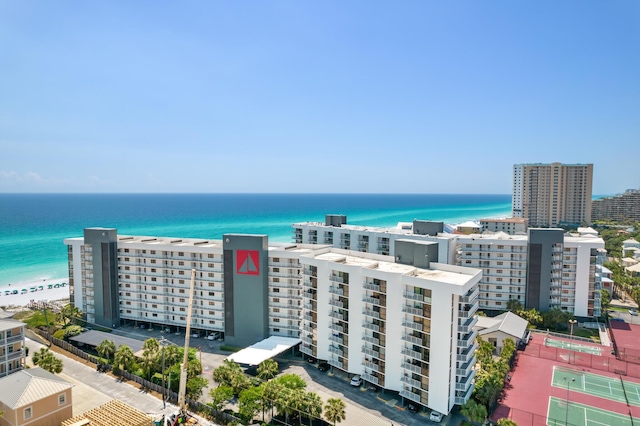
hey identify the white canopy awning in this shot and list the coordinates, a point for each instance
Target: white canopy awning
(265, 349)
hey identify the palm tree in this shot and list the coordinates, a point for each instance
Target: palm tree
(312, 406)
(123, 358)
(68, 313)
(334, 410)
(46, 360)
(106, 349)
(474, 411)
(150, 349)
(268, 369)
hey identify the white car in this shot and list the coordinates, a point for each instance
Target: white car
(356, 381)
(213, 336)
(436, 417)
(633, 312)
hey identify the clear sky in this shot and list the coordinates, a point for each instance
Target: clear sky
(315, 96)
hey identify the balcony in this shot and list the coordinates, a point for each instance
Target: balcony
(470, 297)
(411, 382)
(369, 378)
(14, 339)
(411, 353)
(336, 303)
(467, 339)
(370, 326)
(467, 326)
(412, 339)
(370, 352)
(370, 313)
(468, 354)
(413, 368)
(335, 350)
(336, 339)
(413, 325)
(372, 300)
(336, 327)
(336, 278)
(462, 386)
(308, 318)
(371, 365)
(371, 339)
(413, 296)
(413, 311)
(336, 315)
(461, 400)
(371, 286)
(406, 393)
(464, 370)
(336, 290)
(337, 363)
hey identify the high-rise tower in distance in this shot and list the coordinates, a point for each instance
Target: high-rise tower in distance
(553, 194)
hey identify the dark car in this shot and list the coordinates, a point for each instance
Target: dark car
(323, 366)
(311, 360)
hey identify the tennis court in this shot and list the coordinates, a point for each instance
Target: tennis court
(577, 347)
(576, 414)
(611, 388)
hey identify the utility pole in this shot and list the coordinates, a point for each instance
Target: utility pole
(566, 417)
(164, 401)
(571, 322)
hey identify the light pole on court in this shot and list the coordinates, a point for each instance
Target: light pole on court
(566, 417)
(571, 322)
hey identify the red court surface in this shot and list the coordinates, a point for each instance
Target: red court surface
(627, 338)
(526, 395)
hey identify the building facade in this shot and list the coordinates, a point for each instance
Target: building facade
(402, 322)
(11, 346)
(545, 269)
(620, 207)
(550, 195)
(510, 225)
(510, 269)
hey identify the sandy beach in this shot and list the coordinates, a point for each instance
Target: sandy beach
(45, 295)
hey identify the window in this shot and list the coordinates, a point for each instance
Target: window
(211, 275)
(28, 413)
(212, 293)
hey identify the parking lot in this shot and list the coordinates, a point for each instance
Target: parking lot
(365, 406)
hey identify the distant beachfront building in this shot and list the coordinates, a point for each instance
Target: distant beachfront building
(545, 269)
(620, 207)
(11, 346)
(519, 267)
(402, 322)
(550, 195)
(509, 225)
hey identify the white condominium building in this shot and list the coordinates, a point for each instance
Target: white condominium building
(370, 239)
(545, 269)
(552, 194)
(400, 327)
(538, 278)
(402, 322)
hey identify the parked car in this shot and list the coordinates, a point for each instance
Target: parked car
(633, 312)
(436, 416)
(213, 336)
(311, 360)
(412, 408)
(356, 381)
(323, 366)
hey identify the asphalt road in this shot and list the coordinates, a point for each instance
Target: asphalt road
(93, 389)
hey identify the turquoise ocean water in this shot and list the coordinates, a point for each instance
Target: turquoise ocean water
(33, 226)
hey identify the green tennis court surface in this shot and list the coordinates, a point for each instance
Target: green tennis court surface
(577, 347)
(610, 388)
(583, 415)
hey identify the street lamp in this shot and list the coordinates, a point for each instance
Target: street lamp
(566, 417)
(164, 403)
(571, 322)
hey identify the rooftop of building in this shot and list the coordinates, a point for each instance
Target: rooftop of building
(449, 274)
(404, 228)
(10, 323)
(113, 413)
(507, 322)
(25, 387)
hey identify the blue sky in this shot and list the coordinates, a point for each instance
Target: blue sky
(315, 96)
